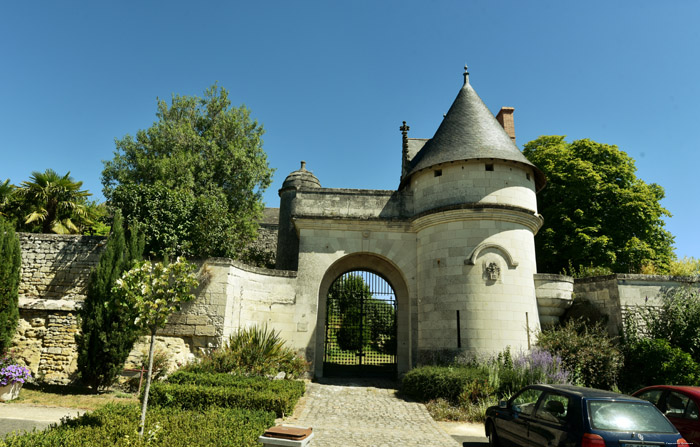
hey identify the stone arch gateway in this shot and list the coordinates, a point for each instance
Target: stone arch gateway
(379, 267)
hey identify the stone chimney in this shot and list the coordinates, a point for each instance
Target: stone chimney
(505, 118)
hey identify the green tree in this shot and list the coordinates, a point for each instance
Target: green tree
(597, 212)
(6, 191)
(99, 219)
(54, 202)
(195, 178)
(154, 291)
(345, 306)
(685, 267)
(10, 261)
(107, 329)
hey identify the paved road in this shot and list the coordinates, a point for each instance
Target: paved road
(367, 413)
(23, 417)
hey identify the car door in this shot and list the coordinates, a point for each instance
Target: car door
(521, 407)
(550, 424)
(683, 414)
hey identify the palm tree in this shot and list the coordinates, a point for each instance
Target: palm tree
(56, 202)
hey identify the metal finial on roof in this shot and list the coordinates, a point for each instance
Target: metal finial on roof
(466, 75)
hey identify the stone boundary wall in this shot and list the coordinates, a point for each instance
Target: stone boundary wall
(613, 294)
(53, 280)
(56, 266)
(259, 296)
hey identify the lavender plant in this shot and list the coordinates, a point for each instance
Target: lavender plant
(508, 374)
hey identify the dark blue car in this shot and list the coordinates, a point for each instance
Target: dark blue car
(572, 416)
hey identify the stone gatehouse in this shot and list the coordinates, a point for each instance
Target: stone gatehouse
(448, 257)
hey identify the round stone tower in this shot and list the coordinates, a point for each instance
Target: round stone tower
(287, 238)
(475, 217)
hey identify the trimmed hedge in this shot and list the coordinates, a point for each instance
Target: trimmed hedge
(117, 425)
(197, 397)
(432, 382)
(234, 381)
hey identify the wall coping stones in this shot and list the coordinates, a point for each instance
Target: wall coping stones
(638, 277)
(249, 268)
(553, 277)
(66, 305)
(51, 236)
(347, 191)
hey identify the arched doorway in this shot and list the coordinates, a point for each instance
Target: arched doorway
(361, 326)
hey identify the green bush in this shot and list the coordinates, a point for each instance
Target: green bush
(586, 351)
(464, 391)
(252, 351)
(197, 397)
(676, 320)
(233, 381)
(432, 382)
(116, 425)
(652, 362)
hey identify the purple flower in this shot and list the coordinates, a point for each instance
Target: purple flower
(14, 373)
(546, 367)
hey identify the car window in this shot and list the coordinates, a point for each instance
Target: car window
(626, 416)
(553, 408)
(525, 401)
(691, 412)
(675, 404)
(651, 395)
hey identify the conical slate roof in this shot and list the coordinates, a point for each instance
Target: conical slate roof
(469, 131)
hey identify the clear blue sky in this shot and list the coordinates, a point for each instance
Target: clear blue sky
(332, 81)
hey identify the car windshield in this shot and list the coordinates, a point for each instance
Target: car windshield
(627, 416)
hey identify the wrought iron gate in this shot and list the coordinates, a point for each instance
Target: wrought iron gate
(360, 326)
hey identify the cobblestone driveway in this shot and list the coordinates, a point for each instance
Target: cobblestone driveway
(363, 413)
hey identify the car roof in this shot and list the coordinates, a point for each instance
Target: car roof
(586, 393)
(691, 390)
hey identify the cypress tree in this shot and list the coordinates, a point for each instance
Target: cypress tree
(10, 261)
(108, 331)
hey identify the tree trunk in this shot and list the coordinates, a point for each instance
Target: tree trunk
(144, 405)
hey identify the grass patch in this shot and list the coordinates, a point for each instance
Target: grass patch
(69, 397)
(443, 410)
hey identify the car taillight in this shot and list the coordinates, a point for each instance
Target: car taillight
(682, 441)
(591, 440)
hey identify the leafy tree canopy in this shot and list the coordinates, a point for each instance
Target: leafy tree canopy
(597, 212)
(194, 179)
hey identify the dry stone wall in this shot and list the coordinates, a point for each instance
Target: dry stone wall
(57, 267)
(53, 281)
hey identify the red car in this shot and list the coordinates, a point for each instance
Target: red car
(680, 405)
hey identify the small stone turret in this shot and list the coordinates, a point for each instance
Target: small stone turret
(287, 238)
